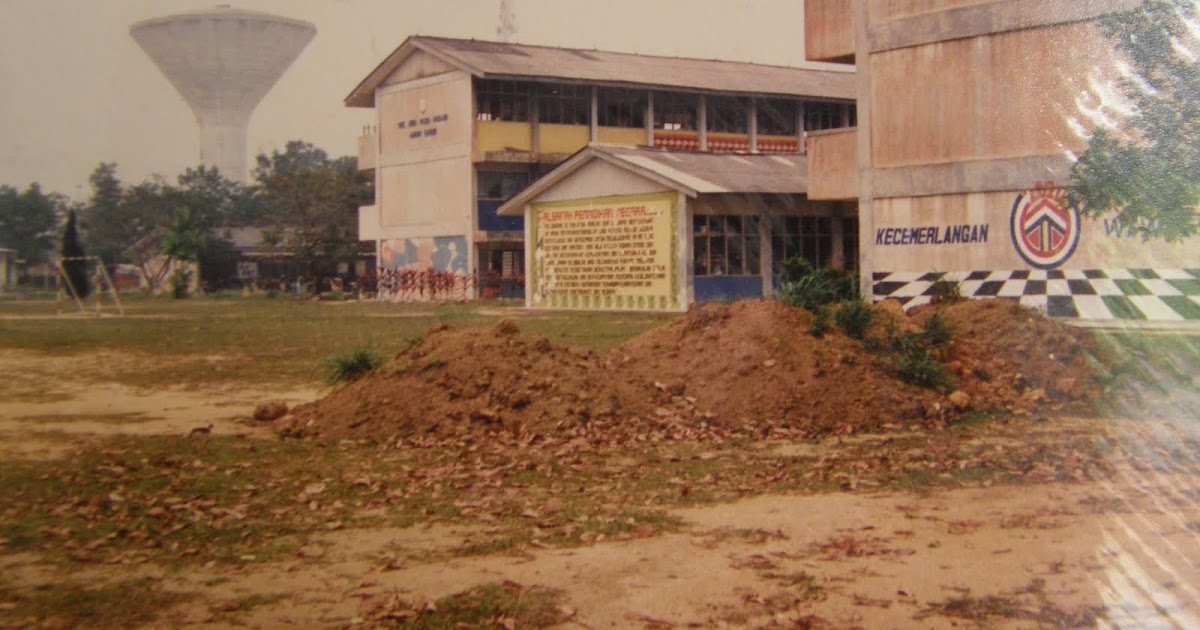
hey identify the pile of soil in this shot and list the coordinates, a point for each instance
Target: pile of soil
(741, 365)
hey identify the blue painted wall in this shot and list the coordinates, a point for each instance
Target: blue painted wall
(728, 288)
(489, 221)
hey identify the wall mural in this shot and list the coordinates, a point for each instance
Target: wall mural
(1043, 226)
(424, 269)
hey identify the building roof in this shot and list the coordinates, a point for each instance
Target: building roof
(692, 174)
(519, 61)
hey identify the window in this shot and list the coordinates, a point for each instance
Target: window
(621, 108)
(807, 237)
(776, 117)
(500, 185)
(728, 114)
(818, 116)
(564, 104)
(850, 242)
(502, 100)
(725, 246)
(674, 111)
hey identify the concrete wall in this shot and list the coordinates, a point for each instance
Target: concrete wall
(970, 114)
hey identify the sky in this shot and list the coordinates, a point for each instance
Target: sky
(76, 90)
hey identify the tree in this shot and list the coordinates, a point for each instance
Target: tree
(28, 221)
(106, 224)
(313, 201)
(1143, 173)
(74, 264)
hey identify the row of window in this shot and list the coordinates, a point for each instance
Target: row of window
(675, 111)
(730, 245)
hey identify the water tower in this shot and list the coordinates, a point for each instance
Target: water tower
(223, 61)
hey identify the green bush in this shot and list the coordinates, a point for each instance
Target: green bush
(344, 368)
(854, 317)
(821, 322)
(937, 330)
(179, 281)
(945, 291)
(804, 286)
(917, 366)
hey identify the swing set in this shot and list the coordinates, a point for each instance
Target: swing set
(100, 279)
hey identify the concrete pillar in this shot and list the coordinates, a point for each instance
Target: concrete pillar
(752, 124)
(650, 118)
(702, 121)
(594, 116)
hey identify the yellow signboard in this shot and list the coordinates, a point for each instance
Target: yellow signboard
(605, 253)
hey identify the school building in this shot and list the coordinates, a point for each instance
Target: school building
(936, 143)
(970, 115)
(462, 126)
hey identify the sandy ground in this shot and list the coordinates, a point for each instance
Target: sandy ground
(1128, 546)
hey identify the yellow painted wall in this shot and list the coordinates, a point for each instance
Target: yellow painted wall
(494, 135)
(621, 135)
(562, 138)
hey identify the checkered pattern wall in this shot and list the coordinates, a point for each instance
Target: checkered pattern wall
(1093, 294)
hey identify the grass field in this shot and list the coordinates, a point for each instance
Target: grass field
(281, 340)
(216, 505)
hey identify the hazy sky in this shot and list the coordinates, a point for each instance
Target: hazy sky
(76, 90)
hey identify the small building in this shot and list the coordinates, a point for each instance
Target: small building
(463, 125)
(618, 227)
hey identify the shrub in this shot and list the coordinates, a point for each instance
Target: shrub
(937, 330)
(179, 281)
(854, 317)
(821, 322)
(917, 366)
(805, 286)
(945, 291)
(344, 368)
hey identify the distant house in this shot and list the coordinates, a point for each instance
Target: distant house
(8, 270)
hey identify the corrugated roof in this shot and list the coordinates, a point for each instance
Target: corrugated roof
(503, 60)
(690, 173)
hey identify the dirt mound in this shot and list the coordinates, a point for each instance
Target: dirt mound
(458, 379)
(1010, 356)
(745, 365)
(757, 361)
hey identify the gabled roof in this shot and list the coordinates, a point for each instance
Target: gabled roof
(519, 61)
(692, 174)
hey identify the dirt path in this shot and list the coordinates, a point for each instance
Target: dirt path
(52, 404)
(1121, 551)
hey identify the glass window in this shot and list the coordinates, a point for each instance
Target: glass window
(725, 246)
(500, 185)
(621, 108)
(776, 117)
(564, 104)
(811, 238)
(674, 111)
(728, 114)
(820, 115)
(501, 100)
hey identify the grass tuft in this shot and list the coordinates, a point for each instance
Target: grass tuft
(347, 367)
